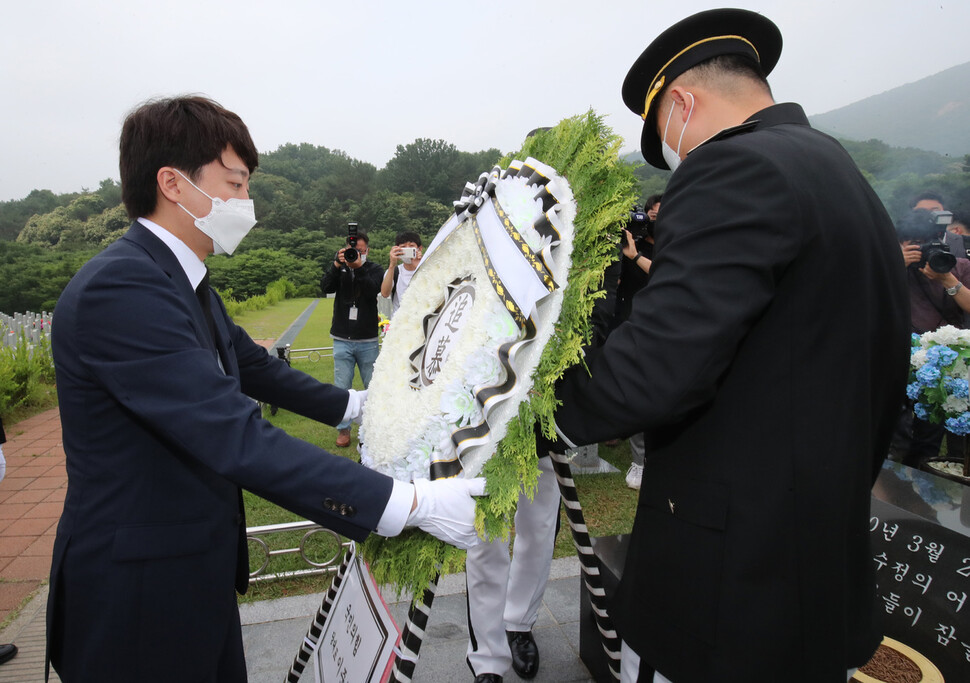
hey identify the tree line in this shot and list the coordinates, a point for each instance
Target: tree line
(305, 195)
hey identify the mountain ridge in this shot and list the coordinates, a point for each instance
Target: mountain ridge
(932, 114)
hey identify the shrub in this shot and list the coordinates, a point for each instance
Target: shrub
(275, 292)
(22, 369)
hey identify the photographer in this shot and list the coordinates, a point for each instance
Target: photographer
(938, 295)
(637, 249)
(405, 258)
(356, 282)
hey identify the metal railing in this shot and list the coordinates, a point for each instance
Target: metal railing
(258, 536)
(312, 355)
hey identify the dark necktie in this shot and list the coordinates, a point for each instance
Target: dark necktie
(202, 291)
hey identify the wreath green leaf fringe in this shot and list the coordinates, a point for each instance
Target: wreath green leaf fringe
(586, 152)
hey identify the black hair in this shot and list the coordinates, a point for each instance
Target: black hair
(407, 236)
(928, 194)
(186, 133)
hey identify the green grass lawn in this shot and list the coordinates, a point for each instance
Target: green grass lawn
(608, 504)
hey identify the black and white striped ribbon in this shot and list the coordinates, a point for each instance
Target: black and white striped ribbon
(312, 637)
(406, 656)
(588, 561)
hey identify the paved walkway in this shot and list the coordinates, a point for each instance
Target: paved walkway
(31, 500)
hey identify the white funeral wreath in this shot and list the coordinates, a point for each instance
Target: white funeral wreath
(460, 353)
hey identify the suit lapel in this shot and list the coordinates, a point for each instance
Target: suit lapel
(166, 260)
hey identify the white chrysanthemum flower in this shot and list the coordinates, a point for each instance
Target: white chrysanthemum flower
(500, 326)
(535, 241)
(517, 199)
(459, 405)
(484, 368)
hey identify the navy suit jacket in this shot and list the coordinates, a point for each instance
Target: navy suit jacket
(159, 441)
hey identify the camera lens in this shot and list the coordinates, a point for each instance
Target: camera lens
(941, 261)
(351, 254)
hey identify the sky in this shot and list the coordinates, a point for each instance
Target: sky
(366, 76)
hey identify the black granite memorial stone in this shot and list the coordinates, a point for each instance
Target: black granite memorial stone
(920, 536)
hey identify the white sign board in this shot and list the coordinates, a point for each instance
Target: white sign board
(357, 644)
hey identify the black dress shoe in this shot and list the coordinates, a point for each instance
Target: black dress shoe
(525, 653)
(488, 678)
(8, 651)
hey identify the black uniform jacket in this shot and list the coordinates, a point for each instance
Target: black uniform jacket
(159, 440)
(766, 362)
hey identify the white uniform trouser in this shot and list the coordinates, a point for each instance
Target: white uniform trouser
(506, 595)
(630, 667)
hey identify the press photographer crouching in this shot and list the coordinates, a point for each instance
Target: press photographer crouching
(938, 296)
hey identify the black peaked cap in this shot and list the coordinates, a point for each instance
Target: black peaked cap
(686, 44)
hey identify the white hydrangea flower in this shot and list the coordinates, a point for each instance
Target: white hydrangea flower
(918, 359)
(958, 369)
(952, 404)
(947, 335)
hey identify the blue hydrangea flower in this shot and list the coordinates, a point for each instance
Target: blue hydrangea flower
(920, 411)
(941, 356)
(914, 339)
(955, 386)
(928, 375)
(912, 390)
(959, 425)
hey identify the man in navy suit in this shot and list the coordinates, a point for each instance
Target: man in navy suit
(156, 387)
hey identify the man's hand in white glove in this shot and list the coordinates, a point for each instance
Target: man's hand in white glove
(355, 406)
(445, 508)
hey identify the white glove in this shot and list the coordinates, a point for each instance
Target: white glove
(355, 406)
(446, 509)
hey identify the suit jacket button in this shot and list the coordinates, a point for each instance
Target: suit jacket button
(343, 509)
(329, 504)
(351, 511)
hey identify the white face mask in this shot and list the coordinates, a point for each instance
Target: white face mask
(670, 156)
(227, 222)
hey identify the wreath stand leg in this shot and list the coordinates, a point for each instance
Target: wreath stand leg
(312, 636)
(588, 561)
(407, 657)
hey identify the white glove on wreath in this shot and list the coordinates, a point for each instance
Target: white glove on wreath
(446, 509)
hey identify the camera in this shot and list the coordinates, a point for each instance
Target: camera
(350, 253)
(408, 254)
(928, 229)
(639, 225)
